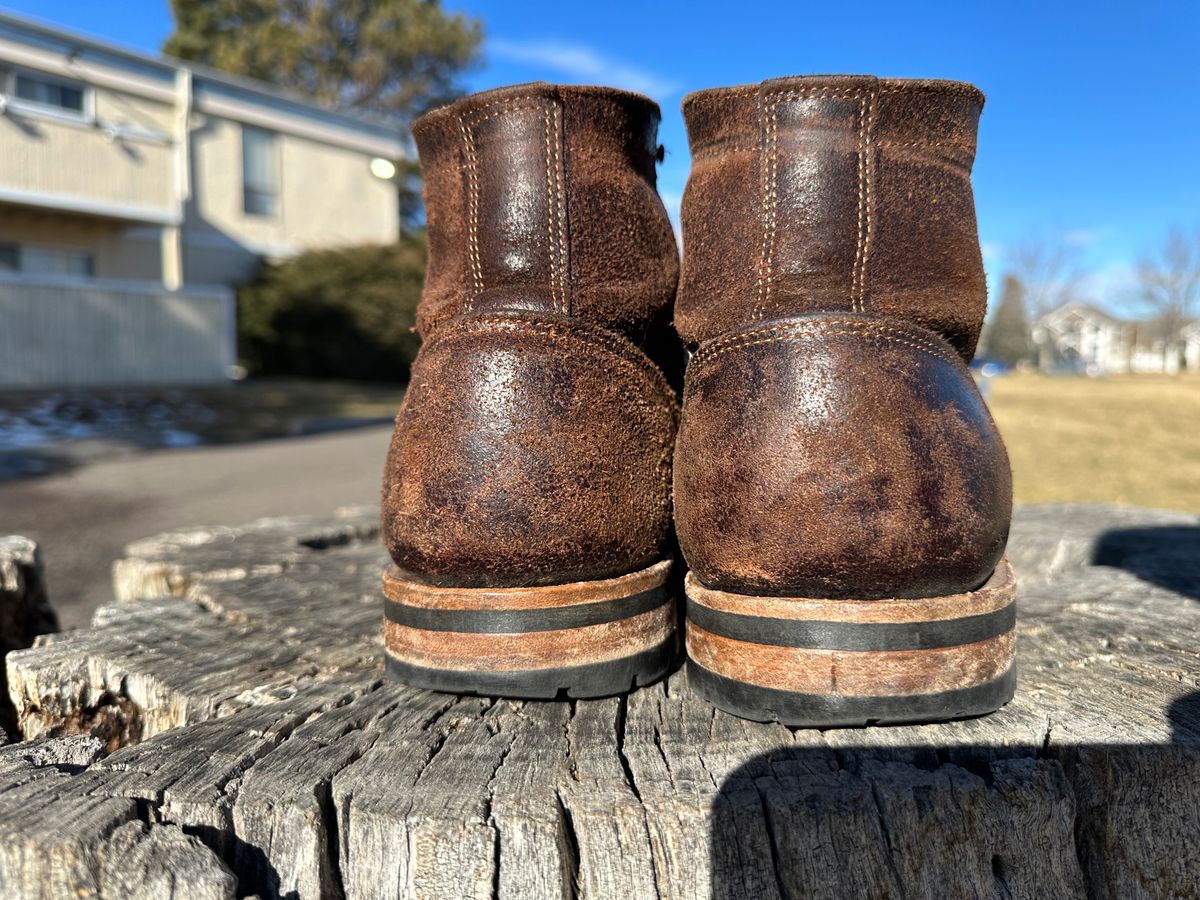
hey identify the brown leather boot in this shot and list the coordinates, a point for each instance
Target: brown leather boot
(842, 496)
(527, 495)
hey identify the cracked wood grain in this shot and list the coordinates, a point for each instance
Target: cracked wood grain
(234, 728)
(25, 611)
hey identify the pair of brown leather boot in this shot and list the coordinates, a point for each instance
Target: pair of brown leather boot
(841, 495)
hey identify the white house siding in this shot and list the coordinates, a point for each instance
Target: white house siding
(1104, 344)
(120, 250)
(141, 185)
(46, 161)
(63, 333)
(327, 196)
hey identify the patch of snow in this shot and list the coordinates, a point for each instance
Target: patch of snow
(73, 416)
(172, 437)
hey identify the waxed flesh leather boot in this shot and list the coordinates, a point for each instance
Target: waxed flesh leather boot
(526, 497)
(842, 496)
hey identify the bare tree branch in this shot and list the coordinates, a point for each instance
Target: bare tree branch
(1168, 282)
(1050, 270)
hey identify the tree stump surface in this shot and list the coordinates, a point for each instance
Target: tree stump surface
(226, 730)
(25, 611)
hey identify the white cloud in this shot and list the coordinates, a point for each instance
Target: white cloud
(1085, 237)
(584, 63)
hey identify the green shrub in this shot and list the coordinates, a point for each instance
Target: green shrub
(344, 313)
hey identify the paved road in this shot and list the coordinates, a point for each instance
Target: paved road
(84, 518)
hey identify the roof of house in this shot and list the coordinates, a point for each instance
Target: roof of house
(205, 80)
(1087, 310)
(1143, 331)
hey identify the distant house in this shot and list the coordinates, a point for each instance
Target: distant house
(1078, 335)
(135, 190)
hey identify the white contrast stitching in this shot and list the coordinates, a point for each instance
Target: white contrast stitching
(714, 349)
(855, 272)
(550, 210)
(770, 201)
(560, 213)
(472, 216)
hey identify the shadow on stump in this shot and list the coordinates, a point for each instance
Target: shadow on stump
(873, 818)
(963, 821)
(1167, 556)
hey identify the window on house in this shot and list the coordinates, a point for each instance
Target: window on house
(58, 261)
(260, 172)
(66, 96)
(47, 260)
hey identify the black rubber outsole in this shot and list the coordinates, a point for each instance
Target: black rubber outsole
(606, 679)
(760, 704)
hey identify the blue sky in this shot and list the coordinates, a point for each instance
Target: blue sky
(1090, 135)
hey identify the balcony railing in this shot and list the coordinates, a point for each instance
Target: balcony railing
(63, 332)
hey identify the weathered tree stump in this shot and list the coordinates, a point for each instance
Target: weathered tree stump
(254, 747)
(25, 611)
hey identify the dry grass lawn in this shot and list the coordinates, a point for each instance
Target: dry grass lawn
(1125, 439)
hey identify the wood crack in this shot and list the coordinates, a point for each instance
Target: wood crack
(622, 713)
(271, 734)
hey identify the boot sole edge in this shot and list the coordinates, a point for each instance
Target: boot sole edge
(808, 662)
(615, 634)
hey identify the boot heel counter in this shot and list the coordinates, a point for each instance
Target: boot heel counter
(839, 456)
(529, 450)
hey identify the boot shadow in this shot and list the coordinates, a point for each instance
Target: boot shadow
(871, 820)
(1167, 556)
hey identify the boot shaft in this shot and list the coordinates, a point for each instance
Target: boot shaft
(833, 282)
(534, 443)
(541, 199)
(831, 194)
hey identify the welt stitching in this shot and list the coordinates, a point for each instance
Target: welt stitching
(717, 347)
(710, 358)
(472, 215)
